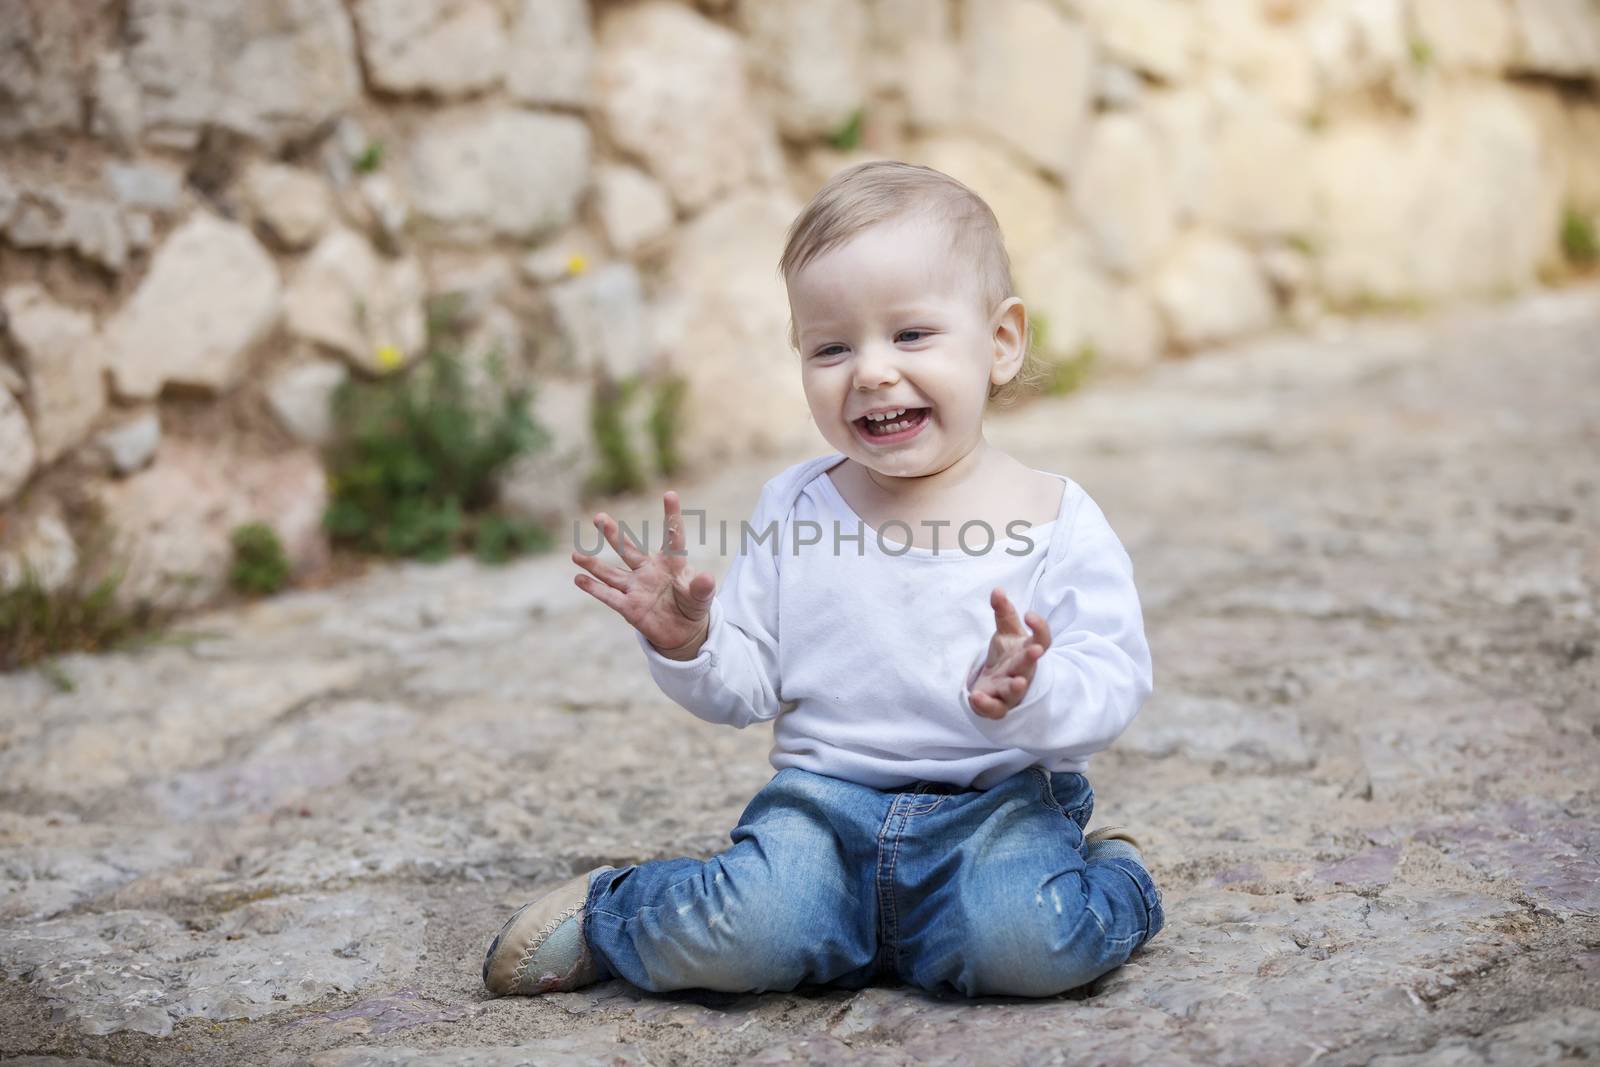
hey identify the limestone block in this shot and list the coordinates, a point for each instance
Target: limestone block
(1270, 59)
(1157, 37)
(1031, 71)
(39, 544)
(18, 455)
(40, 79)
(569, 253)
(723, 325)
(63, 359)
(673, 89)
(173, 521)
(600, 314)
(1185, 123)
(551, 55)
(1559, 37)
(116, 111)
(1079, 307)
(1355, 44)
(1028, 207)
(811, 55)
(292, 203)
(546, 487)
(131, 444)
(386, 207)
(363, 306)
(146, 184)
(442, 47)
(1260, 182)
(1464, 34)
(1211, 290)
(499, 171)
(633, 207)
(301, 396)
(934, 82)
(470, 281)
(1117, 87)
(291, 66)
(66, 219)
(1404, 238)
(211, 293)
(915, 54)
(1123, 192)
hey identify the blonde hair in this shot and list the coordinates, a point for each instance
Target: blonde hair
(878, 191)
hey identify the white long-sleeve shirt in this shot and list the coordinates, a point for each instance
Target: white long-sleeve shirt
(863, 654)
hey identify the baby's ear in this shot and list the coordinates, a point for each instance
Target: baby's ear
(1010, 325)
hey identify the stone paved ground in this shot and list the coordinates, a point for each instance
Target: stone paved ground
(1368, 779)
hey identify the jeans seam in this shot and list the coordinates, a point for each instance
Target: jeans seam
(894, 908)
(886, 906)
(1048, 794)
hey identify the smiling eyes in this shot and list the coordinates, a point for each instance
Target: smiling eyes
(829, 350)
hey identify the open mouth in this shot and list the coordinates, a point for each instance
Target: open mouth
(900, 426)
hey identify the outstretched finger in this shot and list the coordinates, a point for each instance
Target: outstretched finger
(1005, 615)
(601, 592)
(615, 577)
(1040, 628)
(625, 547)
(675, 545)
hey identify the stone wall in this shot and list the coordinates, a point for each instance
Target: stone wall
(214, 211)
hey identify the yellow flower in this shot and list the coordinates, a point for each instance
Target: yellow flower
(389, 357)
(576, 264)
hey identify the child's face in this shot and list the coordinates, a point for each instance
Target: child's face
(890, 319)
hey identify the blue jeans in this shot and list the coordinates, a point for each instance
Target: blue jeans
(830, 882)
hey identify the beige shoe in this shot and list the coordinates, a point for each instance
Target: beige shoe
(1110, 833)
(541, 948)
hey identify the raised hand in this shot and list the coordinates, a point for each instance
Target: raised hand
(659, 594)
(1009, 667)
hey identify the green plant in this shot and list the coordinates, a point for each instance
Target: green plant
(37, 623)
(414, 467)
(371, 158)
(1370, 302)
(1068, 374)
(666, 422)
(1041, 332)
(499, 537)
(618, 469)
(1578, 239)
(1304, 243)
(848, 137)
(260, 567)
(1421, 53)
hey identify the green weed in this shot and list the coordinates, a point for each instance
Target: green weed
(847, 138)
(37, 623)
(1068, 374)
(1578, 239)
(370, 159)
(619, 469)
(260, 567)
(414, 469)
(666, 423)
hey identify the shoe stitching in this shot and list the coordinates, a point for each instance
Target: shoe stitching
(538, 940)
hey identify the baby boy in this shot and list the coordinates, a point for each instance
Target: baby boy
(940, 635)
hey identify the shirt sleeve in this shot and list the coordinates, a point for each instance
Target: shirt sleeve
(734, 680)
(1096, 674)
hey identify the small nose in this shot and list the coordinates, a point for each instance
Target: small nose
(875, 367)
